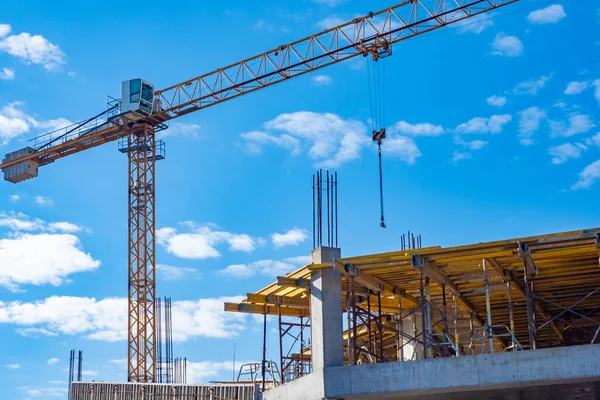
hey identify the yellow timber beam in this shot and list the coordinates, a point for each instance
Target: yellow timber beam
(266, 309)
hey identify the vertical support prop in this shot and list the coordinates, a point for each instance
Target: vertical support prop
(142, 256)
(429, 320)
(510, 315)
(488, 329)
(456, 330)
(400, 329)
(422, 307)
(264, 352)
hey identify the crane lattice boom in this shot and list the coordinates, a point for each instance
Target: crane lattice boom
(371, 35)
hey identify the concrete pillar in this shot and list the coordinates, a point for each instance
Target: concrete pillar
(326, 311)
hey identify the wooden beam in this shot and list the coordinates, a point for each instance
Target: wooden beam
(508, 277)
(265, 309)
(278, 300)
(299, 283)
(372, 283)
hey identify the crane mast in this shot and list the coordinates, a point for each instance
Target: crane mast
(141, 112)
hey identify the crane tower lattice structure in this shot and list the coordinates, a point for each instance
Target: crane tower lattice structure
(141, 112)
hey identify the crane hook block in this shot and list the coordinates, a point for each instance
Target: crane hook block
(379, 135)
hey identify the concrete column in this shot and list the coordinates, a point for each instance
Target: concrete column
(326, 311)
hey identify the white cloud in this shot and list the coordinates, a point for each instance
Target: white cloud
(476, 24)
(7, 73)
(170, 273)
(504, 45)
(255, 140)
(403, 148)
(293, 237)
(529, 123)
(459, 156)
(594, 140)
(471, 145)
(34, 49)
(322, 79)
(576, 87)
(202, 241)
(329, 3)
(561, 154)
(420, 129)
(588, 176)
(53, 361)
(13, 366)
(15, 198)
(498, 101)
(106, 319)
(4, 30)
(43, 201)
(331, 140)
(41, 259)
(181, 129)
(200, 372)
(43, 392)
(493, 124)
(13, 122)
(597, 91)
(35, 332)
(270, 268)
(548, 15)
(531, 86)
(577, 123)
(22, 222)
(330, 22)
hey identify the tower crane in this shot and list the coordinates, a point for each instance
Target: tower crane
(142, 111)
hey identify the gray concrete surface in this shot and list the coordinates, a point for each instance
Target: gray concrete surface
(562, 373)
(326, 330)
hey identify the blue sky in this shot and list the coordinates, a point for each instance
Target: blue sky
(494, 132)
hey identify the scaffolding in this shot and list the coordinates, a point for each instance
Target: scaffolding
(420, 303)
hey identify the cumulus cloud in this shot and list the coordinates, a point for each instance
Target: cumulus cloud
(106, 319)
(293, 237)
(255, 140)
(33, 49)
(15, 122)
(529, 123)
(531, 86)
(329, 3)
(471, 145)
(53, 361)
(476, 24)
(497, 101)
(43, 392)
(171, 273)
(203, 371)
(493, 124)
(42, 259)
(15, 198)
(576, 87)
(182, 129)
(201, 242)
(588, 176)
(330, 22)
(548, 15)
(575, 124)
(561, 154)
(43, 201)
(270, 268)
(7, 74)
(420, 129)
(459, 156)
(13, 366)
(597, 91)
(22, 222)
(331, 140)
(322, 79)
(505, 45)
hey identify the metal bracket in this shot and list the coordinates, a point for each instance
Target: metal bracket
(351, 270)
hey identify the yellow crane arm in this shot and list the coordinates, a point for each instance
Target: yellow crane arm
(371, 35)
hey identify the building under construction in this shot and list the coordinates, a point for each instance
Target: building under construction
(508, 319)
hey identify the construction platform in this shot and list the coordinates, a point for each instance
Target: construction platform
(498, 320)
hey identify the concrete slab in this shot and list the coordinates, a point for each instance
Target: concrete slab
(561, 373)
